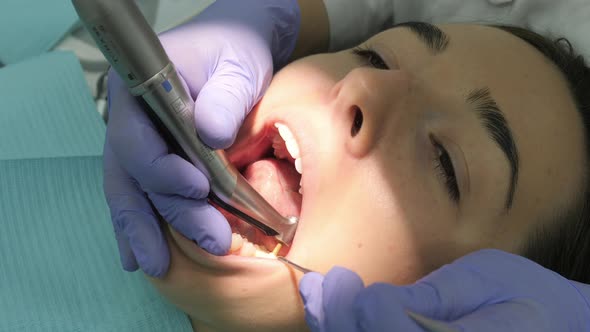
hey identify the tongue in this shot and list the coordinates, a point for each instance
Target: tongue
(278, 182)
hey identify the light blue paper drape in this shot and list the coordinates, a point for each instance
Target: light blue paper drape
(59, 264)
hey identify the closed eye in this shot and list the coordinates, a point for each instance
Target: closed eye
(371, 57)
(444, 166)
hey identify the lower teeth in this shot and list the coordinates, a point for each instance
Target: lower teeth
(262, 254)
(242, 247)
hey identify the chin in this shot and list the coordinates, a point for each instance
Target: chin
(249, 289)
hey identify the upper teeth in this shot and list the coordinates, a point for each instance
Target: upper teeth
(291, 145)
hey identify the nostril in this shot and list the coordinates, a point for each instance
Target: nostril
(357, 123)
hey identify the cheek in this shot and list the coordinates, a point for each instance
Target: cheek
(312, 77)
(422, 204)
(365, 225)
(388, 221)
(179, 284)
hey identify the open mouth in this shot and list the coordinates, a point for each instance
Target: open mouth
(271, 162)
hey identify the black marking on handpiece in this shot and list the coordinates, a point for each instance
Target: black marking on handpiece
(2, 64)
(177, 149)
(265, 229)
(164, 132)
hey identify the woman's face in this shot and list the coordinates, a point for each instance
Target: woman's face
(412, 155)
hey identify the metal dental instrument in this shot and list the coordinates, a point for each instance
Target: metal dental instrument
(133, 49)
(293, 265)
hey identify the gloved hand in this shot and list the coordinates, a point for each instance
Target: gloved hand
(225, 56)
(488, 290)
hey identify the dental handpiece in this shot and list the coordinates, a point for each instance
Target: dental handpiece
(132, 48)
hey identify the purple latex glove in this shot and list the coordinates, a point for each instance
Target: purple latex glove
(488, 290)
(225, 56)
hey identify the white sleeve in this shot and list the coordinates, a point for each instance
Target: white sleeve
(551, 18)
(353, 21)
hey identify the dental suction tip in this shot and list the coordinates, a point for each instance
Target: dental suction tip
(277, 248)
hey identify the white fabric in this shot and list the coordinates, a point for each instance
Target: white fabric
(352, 21)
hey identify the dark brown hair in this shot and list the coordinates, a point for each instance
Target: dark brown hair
(563, 243)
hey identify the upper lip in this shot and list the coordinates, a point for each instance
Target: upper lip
(242, 153)
(294, 130)
(298, 133)
(303, 136)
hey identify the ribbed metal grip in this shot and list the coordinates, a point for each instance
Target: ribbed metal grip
(124, 36)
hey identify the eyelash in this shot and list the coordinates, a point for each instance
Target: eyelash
(444, 166)
(443, 162)
(370, 56)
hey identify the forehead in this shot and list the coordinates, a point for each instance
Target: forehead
(530, 90)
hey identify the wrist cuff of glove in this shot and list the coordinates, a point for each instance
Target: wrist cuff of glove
(287, 21)
(276, 21)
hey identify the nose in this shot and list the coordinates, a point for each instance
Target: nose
(368, 100)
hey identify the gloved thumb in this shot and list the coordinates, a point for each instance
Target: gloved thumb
(384, 306)
(329, 300)
(225, 100)
(446, 294)
(452, 291)
(488, 290)
(310, 289)
(223, 114)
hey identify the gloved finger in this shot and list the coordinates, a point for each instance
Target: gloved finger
(446, 294)
(126, 255)
(197, 220)
(226, 99)
(508, 317)
(142, 152)
(467, 284)
(140, 240)
(113, 176)
(310, 289)
(377, 308)
(340, 289)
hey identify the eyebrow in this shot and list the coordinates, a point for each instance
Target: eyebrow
(495, 123)
(481, 100)
(431, 35)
